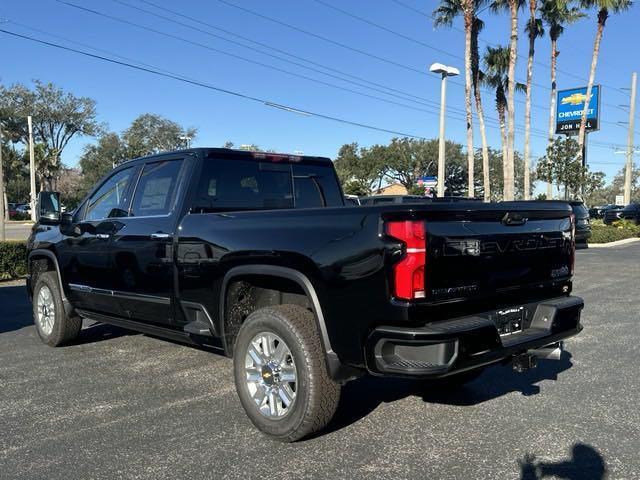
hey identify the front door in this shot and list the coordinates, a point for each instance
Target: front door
(84, 251)
(142, 248)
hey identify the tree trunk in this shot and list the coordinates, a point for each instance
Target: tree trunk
(602, 18)
(513, 55)
(486, 181)
(503, 134)
(468, 25)
(527, 109)
(552, 103)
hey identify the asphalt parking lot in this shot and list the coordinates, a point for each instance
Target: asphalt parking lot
(122, 405)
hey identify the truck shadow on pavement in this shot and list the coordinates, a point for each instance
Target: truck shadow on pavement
(15, 308)
(585, 463)
(361, 397)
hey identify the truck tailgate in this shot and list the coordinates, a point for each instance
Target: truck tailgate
(494, 249)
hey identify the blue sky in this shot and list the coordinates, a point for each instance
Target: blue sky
(122, 94)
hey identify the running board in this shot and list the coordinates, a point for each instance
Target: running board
(164, 332)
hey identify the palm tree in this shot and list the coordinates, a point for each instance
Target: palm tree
(496, 76)
(556, 14)
(512, 6)
(444, 16)
(534, 30)
(604, 7)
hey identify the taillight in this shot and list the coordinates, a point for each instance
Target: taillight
(408, 273)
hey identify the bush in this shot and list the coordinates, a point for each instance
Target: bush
(13, 260)
(620, 230)
(19, 216)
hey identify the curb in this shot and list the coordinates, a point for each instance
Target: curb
(614, 244)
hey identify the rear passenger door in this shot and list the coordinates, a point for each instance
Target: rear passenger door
(142, 249)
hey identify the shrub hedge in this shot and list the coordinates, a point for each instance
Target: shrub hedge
(13, 260)
(619, 230)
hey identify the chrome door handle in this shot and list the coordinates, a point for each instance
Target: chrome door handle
(160, 236)
(103, 236)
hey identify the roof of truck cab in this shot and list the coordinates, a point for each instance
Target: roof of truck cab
(211, 152)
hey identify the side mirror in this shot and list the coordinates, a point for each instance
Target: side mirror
(48, 208)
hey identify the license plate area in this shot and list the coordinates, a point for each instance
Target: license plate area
(509, 321)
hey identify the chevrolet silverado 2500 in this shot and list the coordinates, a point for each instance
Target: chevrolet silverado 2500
(256, 253)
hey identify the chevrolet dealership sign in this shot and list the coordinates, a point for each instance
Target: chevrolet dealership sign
(571, 103)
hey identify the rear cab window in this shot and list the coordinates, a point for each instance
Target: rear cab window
(230, 184)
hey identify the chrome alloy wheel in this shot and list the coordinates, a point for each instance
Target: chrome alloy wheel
(46, 310)
(271, 375)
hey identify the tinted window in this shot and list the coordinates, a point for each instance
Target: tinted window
(156, 190)
(316, 186)
(229, 184)
(110, 199)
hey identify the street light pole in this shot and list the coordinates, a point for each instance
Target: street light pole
(629, 169)
(445, 72)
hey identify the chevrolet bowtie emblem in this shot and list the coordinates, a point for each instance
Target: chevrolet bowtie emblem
(574, 99)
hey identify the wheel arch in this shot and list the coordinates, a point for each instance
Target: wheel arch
(39, 254)
(335, 367)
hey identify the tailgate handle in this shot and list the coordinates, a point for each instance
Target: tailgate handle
(513, 219)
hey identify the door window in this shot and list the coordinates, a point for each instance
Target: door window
(110, 200)
(156, 191)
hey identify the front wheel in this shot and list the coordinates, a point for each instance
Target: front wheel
(54, 326)
(281, 375)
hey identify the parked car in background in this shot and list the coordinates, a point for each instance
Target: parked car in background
(613, 214)
(24, 208)
(583, 224)
(631, 212)
(599, 210)
(12, 210)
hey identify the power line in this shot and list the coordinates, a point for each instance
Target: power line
(157, 71)
(169, 35)
(399, 34)
(198, 83)
(434, 110)
(492, 122)
(265, 45)
(361, 80)
(536, 62)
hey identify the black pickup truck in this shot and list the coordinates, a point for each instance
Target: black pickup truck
(256, 254)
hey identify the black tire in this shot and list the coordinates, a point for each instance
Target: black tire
(65, 328)
(317, 395)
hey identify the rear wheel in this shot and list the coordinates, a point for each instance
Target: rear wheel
(54, 326)
(280, 373)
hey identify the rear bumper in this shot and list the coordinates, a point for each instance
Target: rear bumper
(453, 346)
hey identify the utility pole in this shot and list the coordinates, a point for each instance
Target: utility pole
(32, 170)
(629, 169)
(3, 235)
